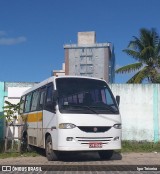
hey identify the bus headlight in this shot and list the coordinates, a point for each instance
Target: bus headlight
(66, 126)
(117, 126)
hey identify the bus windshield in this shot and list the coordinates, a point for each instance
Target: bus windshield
(85, 96)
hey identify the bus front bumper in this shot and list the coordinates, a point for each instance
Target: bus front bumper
(110, 140)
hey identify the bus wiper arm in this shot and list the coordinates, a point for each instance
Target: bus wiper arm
(80, 106)
(91, 109)
(106, 107)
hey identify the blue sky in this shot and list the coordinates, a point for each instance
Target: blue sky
(33, 32)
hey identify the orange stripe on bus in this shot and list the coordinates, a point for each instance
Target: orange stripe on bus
(33, 117)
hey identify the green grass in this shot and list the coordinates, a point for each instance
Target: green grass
(17, 154)
(134, 146)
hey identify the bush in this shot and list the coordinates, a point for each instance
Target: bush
(140, 146)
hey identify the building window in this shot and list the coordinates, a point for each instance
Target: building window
(91, 68)
(81, 58)
(90, 58)
(82, 67)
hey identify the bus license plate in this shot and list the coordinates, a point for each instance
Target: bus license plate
(95, 145)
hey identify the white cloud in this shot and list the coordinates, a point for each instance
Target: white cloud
(2, 33)
(12, 41)
(6, 40)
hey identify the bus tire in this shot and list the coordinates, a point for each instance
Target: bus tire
(50, 154)
(106, 154)
(25, 147)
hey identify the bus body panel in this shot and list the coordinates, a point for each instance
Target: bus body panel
(94, 129)
(34, 128)
(89, 119)
(49, 127)
(82, 139)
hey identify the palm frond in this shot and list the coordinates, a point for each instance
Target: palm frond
(129, 68)
(132, 79)
(132, 53)
(136, 44)
(157, 49)
(155, 36)
(147, 53)
(141, 75)
(145, 49)
(8, 103)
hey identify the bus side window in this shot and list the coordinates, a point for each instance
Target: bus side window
(35, 100)
(21, 109)
(41, 98)
(49, 98)
(28, 102)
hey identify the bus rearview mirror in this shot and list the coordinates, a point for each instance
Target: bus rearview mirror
(55, 95)
(118, 99)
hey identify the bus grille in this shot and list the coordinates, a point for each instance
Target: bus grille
(94, 129)
(87, 140)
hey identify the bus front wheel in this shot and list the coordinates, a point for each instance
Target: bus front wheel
(50, 154)
(106, 154)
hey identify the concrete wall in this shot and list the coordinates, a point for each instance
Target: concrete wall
(2, 93)
(10, 91)
(139, 107)
(86, 38)
(14, 95)
(139, 111)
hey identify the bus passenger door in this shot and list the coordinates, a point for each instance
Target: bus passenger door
(49, 117)
(40, 115)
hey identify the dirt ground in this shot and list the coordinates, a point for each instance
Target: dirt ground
(88, 159)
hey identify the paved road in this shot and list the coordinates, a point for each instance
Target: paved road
(91, 163)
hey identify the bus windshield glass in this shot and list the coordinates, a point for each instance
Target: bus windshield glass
(85, 96)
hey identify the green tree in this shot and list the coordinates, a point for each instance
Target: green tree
(11, 111)
(146, 51)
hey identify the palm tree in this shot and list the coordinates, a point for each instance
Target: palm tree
(146, 51)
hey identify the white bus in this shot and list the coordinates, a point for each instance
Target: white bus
(71, 114)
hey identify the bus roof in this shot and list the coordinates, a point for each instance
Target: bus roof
(52, 79)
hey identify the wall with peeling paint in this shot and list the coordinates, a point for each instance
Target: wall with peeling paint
(140, 112)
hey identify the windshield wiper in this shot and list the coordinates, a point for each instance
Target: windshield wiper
(80, 106)
(106, 107)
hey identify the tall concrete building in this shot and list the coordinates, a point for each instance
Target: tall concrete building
(88, 58)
